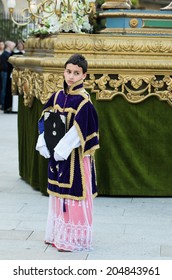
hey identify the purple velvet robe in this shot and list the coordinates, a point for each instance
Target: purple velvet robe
(66, 178)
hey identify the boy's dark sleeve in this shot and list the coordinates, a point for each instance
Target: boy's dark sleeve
(86, 122)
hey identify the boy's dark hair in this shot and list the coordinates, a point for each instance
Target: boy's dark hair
(78, 59)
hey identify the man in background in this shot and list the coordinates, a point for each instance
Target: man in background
(6, 70)
(2, 46)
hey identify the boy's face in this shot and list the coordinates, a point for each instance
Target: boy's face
(73, 73)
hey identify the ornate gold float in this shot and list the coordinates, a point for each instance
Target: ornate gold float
(134, 67)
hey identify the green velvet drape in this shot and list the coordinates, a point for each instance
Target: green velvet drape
(135, 154)
(32, 167)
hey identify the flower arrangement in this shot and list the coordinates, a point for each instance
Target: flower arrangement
(75, 19)
(74, 16)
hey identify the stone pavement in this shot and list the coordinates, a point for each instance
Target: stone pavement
(125, 228)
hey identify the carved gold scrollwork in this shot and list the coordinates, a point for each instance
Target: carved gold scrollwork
(99, 43)
(27, 87)
(53, 82)
(101, 82)
(135, 67)
(35, 84)
(133, 89)
(14, 85)
(22, 84)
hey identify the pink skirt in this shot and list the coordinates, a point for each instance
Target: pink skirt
(71, 230)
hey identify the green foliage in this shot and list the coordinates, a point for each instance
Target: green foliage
(135, 2)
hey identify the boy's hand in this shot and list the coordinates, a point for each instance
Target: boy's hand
(57, 157)
(41, 146)
(44, 152)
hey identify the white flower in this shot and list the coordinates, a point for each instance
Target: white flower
(78, 21)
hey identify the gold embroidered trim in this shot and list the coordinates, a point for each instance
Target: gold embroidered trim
(47, 109)
(67, 185)
(79, 91)
(80, 135)
(69, 196)
(83, 179)
(69, 115)
(57, 107)
(77, 126)
(94, 134)
(55, 97)
(94, 195)
(92, 150)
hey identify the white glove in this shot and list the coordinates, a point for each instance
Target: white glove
(57, 157)
(44, 152)
(41, 146)
(65, 146)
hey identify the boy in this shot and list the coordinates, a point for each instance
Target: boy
(71, 169)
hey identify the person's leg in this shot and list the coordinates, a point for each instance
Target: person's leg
(3, 88)
(8, 96)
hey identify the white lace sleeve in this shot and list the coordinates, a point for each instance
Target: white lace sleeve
(69, 142)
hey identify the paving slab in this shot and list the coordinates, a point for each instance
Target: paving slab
(15, 234)
(166, 251)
